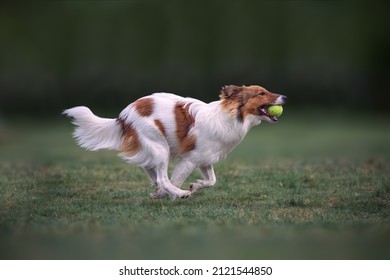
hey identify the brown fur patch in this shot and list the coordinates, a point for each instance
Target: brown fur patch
(184, 122)
(160, 126)
(144, 106)
(131, 144)
(246, 100)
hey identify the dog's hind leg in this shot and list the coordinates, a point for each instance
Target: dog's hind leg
(152, 175)
(209, 179)
(159, 193)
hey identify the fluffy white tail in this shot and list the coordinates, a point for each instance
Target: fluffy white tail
(94, 133)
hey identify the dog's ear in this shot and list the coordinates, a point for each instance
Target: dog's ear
(229, 91)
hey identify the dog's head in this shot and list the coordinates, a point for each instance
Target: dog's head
(242, 101)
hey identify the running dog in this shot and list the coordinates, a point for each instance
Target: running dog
(154, 128)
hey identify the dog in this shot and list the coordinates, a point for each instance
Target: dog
(154, 128)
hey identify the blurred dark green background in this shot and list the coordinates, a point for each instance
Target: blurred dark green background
(104, 54)
(313, 186)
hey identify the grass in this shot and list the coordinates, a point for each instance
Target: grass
(305, 188)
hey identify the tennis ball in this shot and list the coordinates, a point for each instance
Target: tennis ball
(275, 110)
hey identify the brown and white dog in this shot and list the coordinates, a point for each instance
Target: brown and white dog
(154, 128)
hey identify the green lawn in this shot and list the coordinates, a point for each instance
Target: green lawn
(305, 188)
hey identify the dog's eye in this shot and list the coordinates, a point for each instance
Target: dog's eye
(262, 93)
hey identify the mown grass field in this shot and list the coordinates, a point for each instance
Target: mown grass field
(308, 187)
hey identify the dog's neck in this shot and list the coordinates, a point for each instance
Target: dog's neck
(225, 125)
(233, 117)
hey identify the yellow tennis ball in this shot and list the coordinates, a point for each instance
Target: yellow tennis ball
(275, 110)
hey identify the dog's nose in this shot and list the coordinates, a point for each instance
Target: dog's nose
(281, 99)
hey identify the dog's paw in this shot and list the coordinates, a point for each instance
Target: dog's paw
(193, 188)
(184, 194)
(158, 194)
(155, 195)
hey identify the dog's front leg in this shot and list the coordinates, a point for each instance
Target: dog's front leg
(209, 179)
(182, 170)
(163, 183)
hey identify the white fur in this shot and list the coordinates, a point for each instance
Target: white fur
(94, 133)
(217, 133)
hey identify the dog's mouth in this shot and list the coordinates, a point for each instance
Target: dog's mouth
(263, 111)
